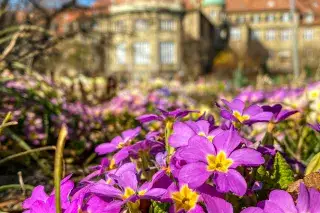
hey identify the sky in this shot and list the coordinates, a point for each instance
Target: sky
(53, 2)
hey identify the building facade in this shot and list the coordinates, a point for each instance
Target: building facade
(183, 37)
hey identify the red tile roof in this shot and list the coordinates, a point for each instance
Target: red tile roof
(265, 5)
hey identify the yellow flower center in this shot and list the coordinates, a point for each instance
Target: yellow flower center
(112, 164)
(185, 199)
(240, 117)
(142, 192)
(219, 163)
(166, 169)
(314, 94)
(128, 192)
(121, 145)
(209, 137)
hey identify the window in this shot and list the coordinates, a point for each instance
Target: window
(270, 18)
(119, 26)
(270, 35)
(309, 18)
(240, 19)
(167, 25)
(235, 34)
(214, 14)
(142, 53)
(255, 34)
(308, 34)
(141, 25)
(286, 17)
(256, 18)
(285, 35)
(121, 53)
(167, 52)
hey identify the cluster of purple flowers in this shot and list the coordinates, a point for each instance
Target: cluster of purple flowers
(189, 165)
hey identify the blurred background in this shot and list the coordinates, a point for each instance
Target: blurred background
(171, 39)
(95, 65)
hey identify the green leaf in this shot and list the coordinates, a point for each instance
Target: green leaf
(314, 164)
(268, 139)
(157, 207)
(282, 172)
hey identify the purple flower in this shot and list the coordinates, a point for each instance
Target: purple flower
(183, 131)
(187, 200)
(118, 142)
(127, 190)
(282, 202)
(40, 202)
(175, 114)
(316, 126)
(237, 112)
(218, 159)
(279, 114)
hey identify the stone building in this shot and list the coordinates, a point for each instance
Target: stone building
(183, 37)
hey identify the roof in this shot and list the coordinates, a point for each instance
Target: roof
(265, 5)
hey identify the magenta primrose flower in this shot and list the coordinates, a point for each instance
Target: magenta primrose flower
(218, 160)
(40, 202)
(237, 111)
(281, 202)
(118, 142)
(315, 126)
(175, 114)
(126, 189)
(183, 131)
(187, 200)
(279, 114)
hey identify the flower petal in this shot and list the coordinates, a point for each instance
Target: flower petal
(246, 157)
(252, 110)
(227, 141)
(231, 181)
(217, 205)
(314, 200)
(283, 198)
(130, 133)
(154, 193)
(105, 148)
(104, 189)
(182, 132)
(194, 174)
(252, 210)
(227, 115)
(303, 199)
(271, 207)
(148, 118)
(197, 150)
(196, 209)
(236, 104)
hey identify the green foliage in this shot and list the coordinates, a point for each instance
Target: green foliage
(280, 176)
(314, 164)
(268, 139)
(282, 172)
(157, 207)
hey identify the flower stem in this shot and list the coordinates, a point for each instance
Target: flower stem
(168, 132)
(58, 166)
(11, 157)
(15, 186)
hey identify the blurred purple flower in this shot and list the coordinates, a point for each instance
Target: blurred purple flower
(279, 114)
(282, 202)
(236, 111)
(175, 114)
(118, 142)
(315, 126)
